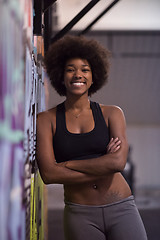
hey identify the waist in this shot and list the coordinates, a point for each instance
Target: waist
(130, 198)
(100, 192)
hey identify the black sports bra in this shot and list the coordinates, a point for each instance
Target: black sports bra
(73, 146)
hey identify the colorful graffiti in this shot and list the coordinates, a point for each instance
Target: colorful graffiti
(12, 211)
(22, 95)
(33, 192)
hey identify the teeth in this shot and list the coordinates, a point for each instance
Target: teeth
(77, 83)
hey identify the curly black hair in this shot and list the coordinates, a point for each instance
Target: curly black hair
(77, 47)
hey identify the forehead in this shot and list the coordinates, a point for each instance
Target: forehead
(77, 62)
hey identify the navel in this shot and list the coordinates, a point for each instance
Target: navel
(95, 186)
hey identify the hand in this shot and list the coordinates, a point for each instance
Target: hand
(114, 145)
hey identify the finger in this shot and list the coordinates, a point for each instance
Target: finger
(118, 143)
(111, 140)
(113, 146)
(110, 145)
(116, 149)
(115, 140)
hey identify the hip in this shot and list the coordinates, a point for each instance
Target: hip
(105, 190)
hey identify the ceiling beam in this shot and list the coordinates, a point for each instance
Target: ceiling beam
(97, 18)
(68, 27)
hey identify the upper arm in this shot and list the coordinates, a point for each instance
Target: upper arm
(110, 162)
(50, 171)
(117, 126)
(117, 123)
(44, 148)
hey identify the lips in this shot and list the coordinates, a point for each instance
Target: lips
(77, 83)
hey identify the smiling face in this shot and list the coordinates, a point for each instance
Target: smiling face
(77, 76)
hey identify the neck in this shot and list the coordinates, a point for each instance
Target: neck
(78, 103)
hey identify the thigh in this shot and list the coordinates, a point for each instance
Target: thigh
(82, 223)
(126, 222)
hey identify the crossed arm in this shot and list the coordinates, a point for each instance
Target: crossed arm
(81, 171)
(50, 171)
(115, 158)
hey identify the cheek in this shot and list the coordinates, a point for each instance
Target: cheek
(66, 80)
(66, 77)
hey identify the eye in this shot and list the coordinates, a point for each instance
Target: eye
(69, 70)
(86, 70)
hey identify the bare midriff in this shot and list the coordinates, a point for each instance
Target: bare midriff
(103, 191)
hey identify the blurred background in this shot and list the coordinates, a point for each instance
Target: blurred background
(130, 29)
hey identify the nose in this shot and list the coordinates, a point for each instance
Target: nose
(77, 75)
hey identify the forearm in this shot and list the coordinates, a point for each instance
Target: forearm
(106, 164)
(62, 175)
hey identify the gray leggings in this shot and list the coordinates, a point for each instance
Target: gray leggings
(116, 221)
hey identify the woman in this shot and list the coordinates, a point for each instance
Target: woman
(83, 145)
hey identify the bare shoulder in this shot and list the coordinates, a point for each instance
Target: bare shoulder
(46, 117)
(111, 110)
(116, 121)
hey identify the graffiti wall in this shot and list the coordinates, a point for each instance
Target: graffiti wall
(22, 95)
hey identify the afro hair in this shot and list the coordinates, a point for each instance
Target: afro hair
(70, 47)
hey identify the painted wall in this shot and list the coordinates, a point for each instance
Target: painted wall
(12, 211)
(22, 95)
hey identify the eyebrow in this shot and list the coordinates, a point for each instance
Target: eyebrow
(72, 65)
